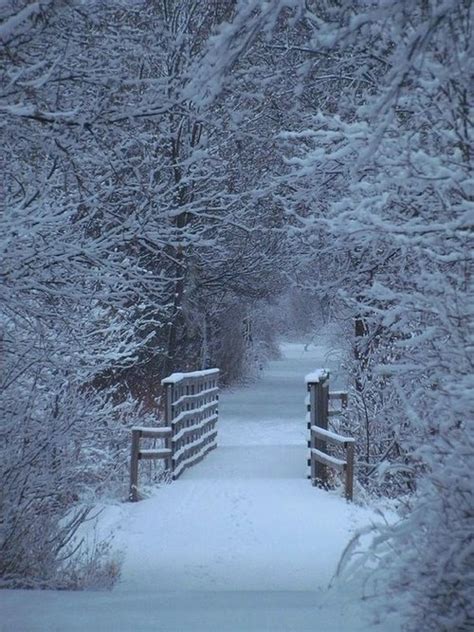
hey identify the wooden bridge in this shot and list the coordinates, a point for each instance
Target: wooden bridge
(190, 428)
(251, 514)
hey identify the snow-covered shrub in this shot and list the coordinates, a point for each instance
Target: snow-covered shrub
(432, 556)
(62, 449)
(95, 567)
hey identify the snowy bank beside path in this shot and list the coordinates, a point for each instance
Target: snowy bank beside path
(240, 542)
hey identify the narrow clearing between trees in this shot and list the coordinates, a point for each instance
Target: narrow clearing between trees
(240, 542)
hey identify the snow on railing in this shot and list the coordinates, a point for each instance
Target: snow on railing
(191, 414)
(317, 402)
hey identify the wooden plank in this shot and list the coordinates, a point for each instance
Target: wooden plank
(341, 396)
(312, 403)
(192, 377)
(153, 433)
(180, 453)
(189, 463)
(337, 394)
(169, 394)
(350, 471)
(187, 414)
(189, 458)
(331, 437)
(318, 406)
(321, 421)
(326, 459)
(193, 396)
(152, 453)
(194, 428)
(133, 493)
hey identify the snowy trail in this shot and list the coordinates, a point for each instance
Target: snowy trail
(240, 543)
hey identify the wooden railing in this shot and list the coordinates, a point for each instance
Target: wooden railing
(191, 411)
(137, 453)
(189, 433)
(318, 400)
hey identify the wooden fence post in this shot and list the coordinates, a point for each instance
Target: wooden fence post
(169, 394)
(349, 470)
(318, 387)
(133, 494)
(312, 422)
(344, 400)
(321, 421)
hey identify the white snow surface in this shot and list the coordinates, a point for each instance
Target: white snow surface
(241, 542)
(331, 436)
(317, 376)
(174, 378)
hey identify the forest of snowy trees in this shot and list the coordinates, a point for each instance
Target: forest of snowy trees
(170, 169)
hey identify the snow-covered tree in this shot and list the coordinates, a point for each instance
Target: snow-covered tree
(127, 248)
(393, 229)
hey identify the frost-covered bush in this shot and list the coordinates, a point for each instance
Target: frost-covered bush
(432, 556)
(421, 565)
(63, 447)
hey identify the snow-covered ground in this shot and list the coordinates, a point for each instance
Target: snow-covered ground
(240, 542)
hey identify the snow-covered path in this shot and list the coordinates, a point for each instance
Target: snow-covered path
(246, 518)
(241, 542)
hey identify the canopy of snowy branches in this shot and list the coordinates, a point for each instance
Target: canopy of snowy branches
(184, 181)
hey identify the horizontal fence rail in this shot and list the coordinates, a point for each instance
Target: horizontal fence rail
(190, 432)
(137, 454)
(320, 436)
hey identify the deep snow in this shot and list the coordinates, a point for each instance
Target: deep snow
(240, 542)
